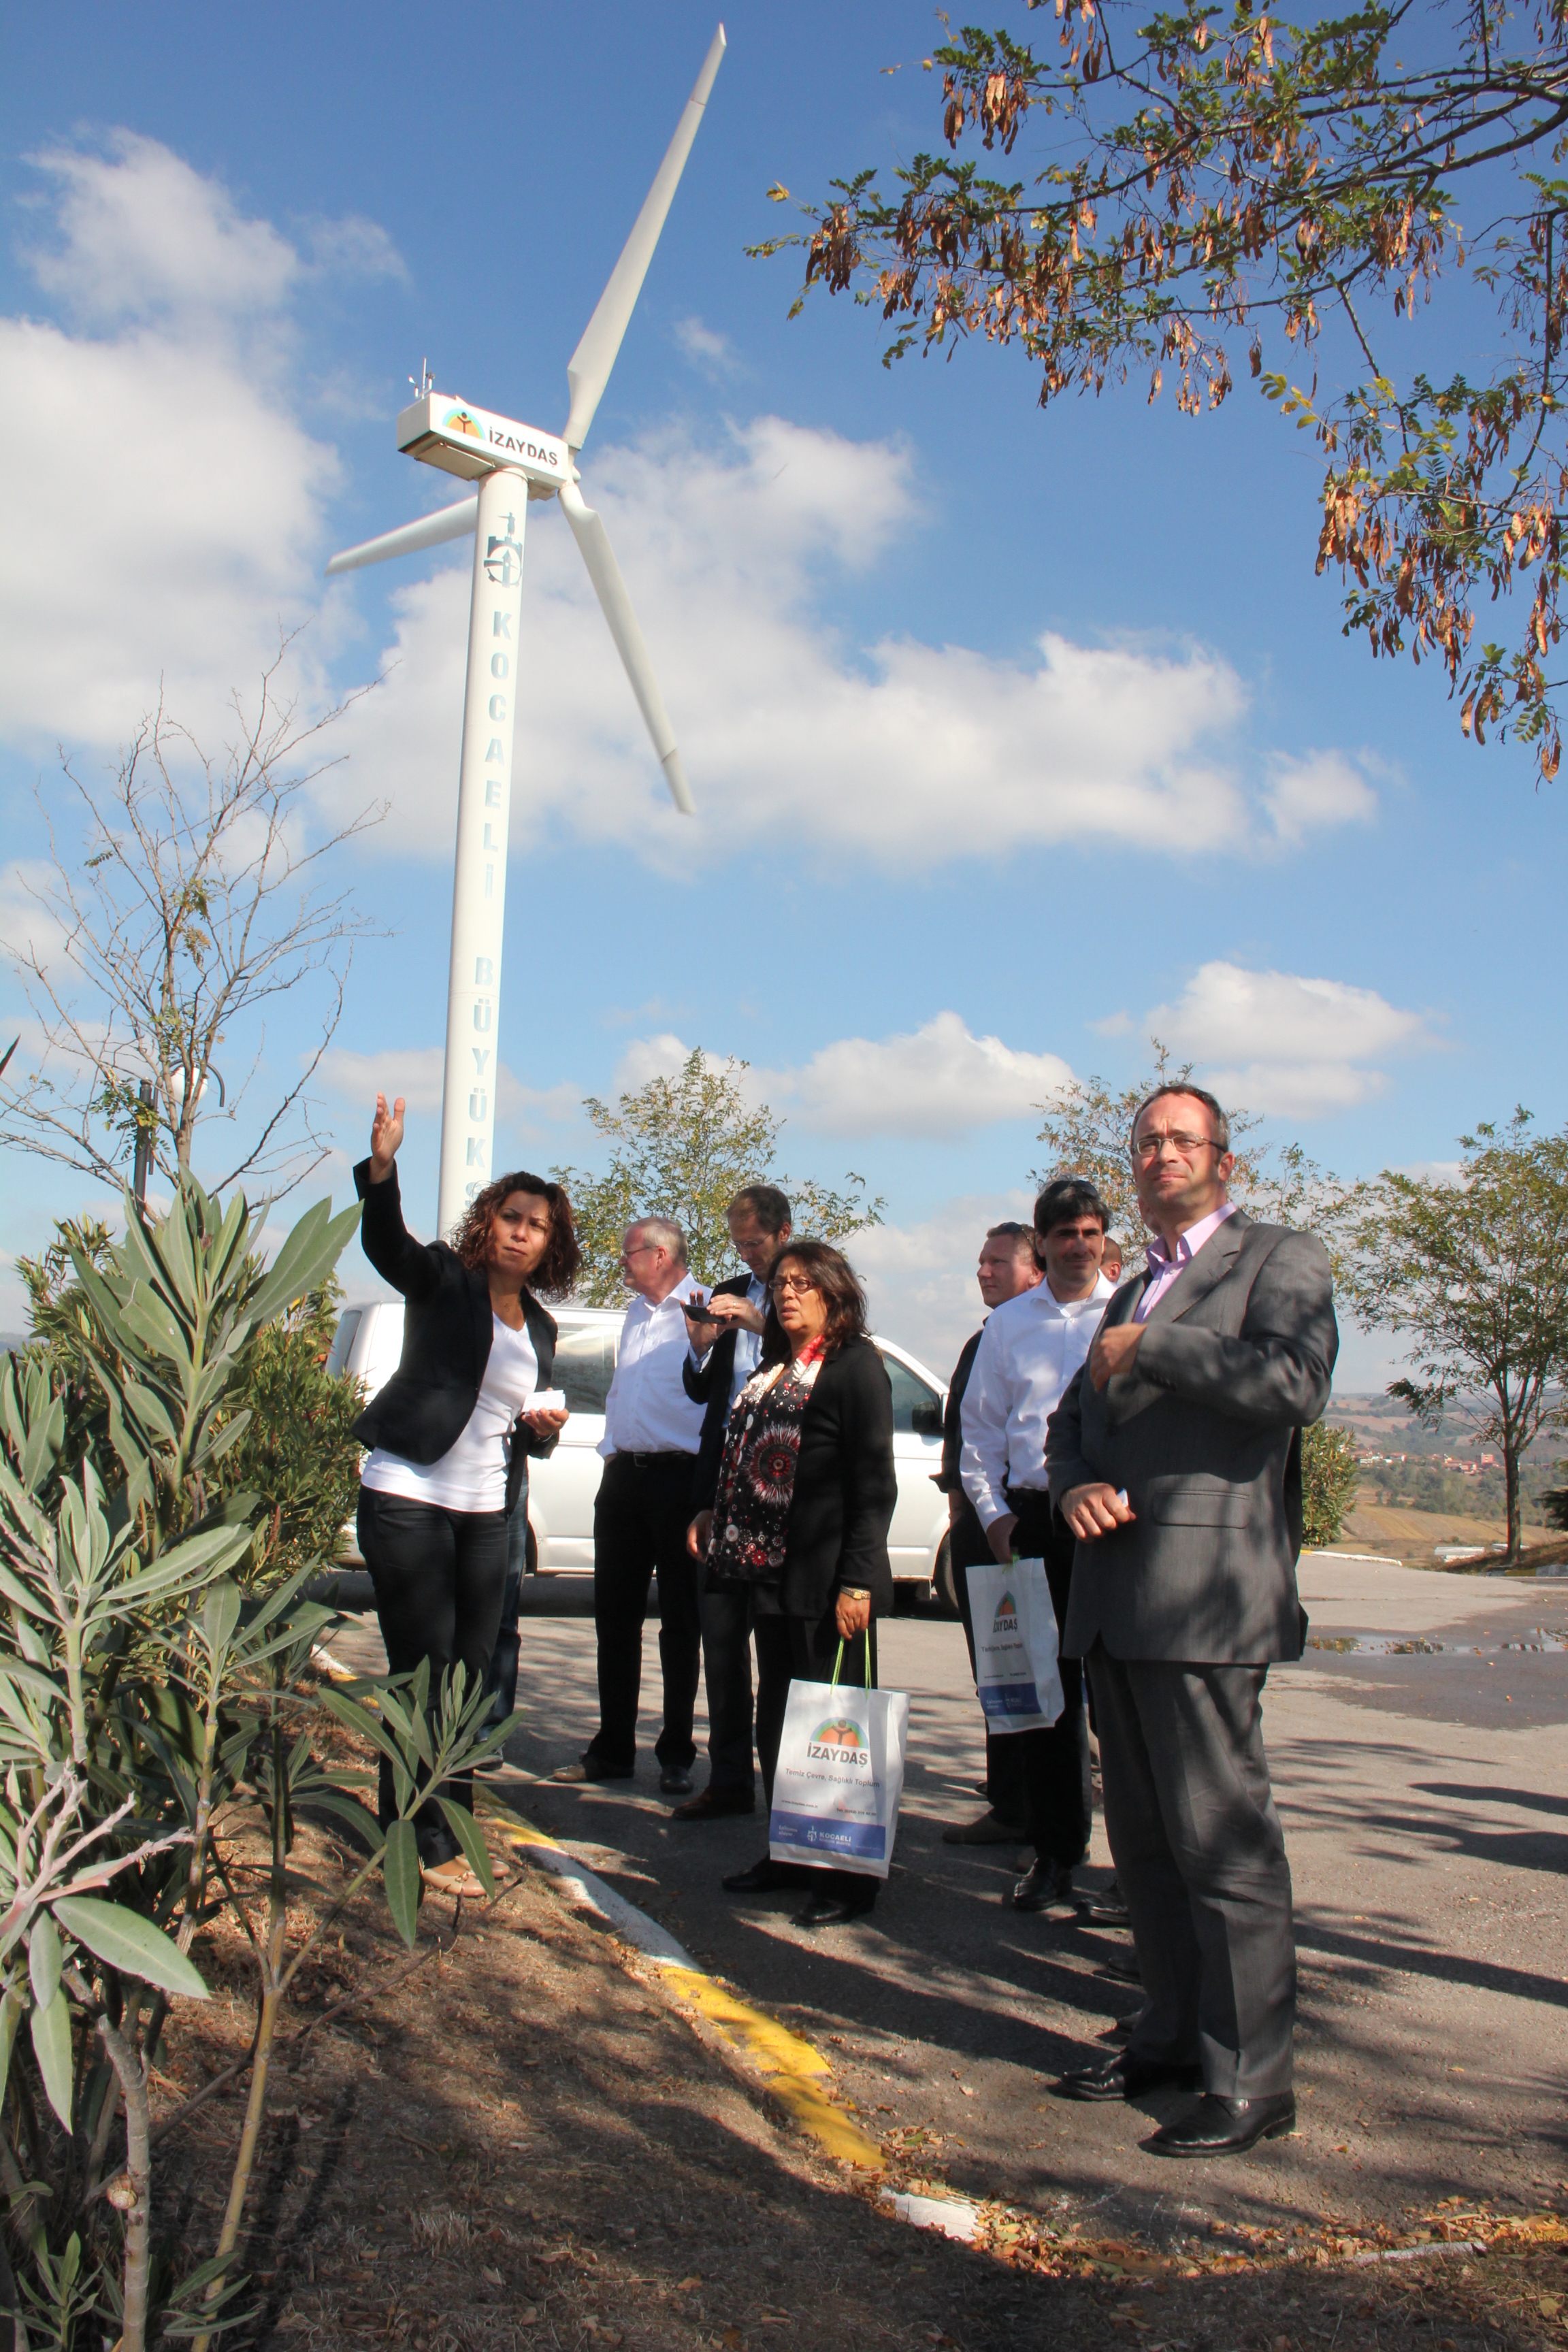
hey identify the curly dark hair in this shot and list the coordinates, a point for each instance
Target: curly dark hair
(558, 1267)
(836, 1278)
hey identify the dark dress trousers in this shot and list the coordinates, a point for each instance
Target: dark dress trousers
(967, 1548)
(727, 1611)
(1179, 1615)
(845, 1489)
(439, 1575)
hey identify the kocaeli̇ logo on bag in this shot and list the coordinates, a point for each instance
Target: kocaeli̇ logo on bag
(838, 1742)
(1006, 1620)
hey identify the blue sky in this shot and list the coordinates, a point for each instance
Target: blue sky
(1014, 734)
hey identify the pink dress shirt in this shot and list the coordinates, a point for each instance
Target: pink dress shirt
(1164, 1265)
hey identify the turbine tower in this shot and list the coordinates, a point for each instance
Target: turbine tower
(515, 464)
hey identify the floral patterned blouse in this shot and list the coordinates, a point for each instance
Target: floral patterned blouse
(756, 1477)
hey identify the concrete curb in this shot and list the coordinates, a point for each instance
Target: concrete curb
(787, 2066)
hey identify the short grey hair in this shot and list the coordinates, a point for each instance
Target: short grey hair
(663, 1233)
(1219, 1125)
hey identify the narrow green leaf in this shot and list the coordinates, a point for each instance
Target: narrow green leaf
(129, 1943)
(465, 1830)
(51, 2031)
(400, 1875)
(10, 2019)
(45, 1959)
(220, 1614)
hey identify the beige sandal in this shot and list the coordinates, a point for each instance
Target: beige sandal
(454, 1877)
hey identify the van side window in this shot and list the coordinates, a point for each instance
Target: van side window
(584, 1365)
(342, 1341)
(917, 1408)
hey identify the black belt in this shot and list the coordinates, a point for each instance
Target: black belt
(663, 1453)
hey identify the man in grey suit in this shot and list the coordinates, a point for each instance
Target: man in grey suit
(1176, 1457)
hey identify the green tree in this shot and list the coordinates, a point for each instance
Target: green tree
(1473, 1277)
(1086, 1132)
(683, 1148)
(1207, 179)
(1330, 1476)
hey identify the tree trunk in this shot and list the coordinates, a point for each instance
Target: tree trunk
(137, 2213)
(1511, 1476)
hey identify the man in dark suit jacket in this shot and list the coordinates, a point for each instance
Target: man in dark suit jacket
(1176, 1457)
(725, 1346)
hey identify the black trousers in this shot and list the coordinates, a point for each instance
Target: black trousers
(787, 1651)
(438, 1577)
(1041, 1779)
(1200, 1860)
(640, 1518)
(507, 1651)
(727, 1672)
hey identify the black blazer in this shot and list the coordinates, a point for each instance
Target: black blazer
(447, 1332)
(708, 1385)
(845, 1489)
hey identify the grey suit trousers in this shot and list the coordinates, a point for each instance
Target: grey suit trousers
(1200, 1860)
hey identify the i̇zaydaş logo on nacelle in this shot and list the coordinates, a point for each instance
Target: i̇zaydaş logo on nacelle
(459, 420)
(838, 1742)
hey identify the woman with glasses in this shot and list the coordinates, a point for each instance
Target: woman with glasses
(800, 1517)
(452, 1431)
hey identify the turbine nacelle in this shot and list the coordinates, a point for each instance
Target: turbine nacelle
(468, 442)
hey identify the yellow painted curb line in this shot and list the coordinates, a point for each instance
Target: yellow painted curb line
(787, 2064)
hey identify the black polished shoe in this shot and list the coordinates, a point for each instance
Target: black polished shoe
(1046, 1883)
(763, 1877)
(1118, 2078)
(711, 1804)
(1107, 1909)
(589, 1767)
(674, 1781)
(1220, 2126)
(832, 1910)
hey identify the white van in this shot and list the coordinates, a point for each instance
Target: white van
(369, 1341)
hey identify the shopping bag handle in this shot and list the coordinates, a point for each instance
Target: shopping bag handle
(838, 1662)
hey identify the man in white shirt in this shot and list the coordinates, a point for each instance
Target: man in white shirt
(652, 1429)
(1029, 1351)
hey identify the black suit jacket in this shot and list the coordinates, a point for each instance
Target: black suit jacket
(708, 1383)
(966, 1537)
(447, 1332)
(845, 1488)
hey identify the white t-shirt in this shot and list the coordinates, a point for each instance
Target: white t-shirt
(472, 1475)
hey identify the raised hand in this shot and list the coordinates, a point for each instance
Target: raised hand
(385, 1134)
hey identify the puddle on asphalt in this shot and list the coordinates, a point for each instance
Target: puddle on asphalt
(1391, 1645)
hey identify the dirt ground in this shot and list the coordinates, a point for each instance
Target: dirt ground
(527, 2140)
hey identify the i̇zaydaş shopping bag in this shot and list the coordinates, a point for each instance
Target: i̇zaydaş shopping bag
(1015, 1651)
(839, 1776)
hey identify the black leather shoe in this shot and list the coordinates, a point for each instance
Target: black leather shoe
(674, 1781)
(1219, 2126)
(763, 1877)
(713, 1805)
(831, 1911)
(589, 1767)
(1044, 1884)
(1108, 1909)
(1116, 2078)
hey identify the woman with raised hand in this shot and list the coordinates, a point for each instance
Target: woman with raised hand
(452, 1431)
(800, 1517)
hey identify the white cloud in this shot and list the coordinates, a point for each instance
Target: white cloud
(920, 1277)
(415, 1072)
(1280, 1043)
(1319, 790)
(934, 1083)
(706, 348)
(165, 514)
(905, 754)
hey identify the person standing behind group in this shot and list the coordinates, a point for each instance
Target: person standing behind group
(1176, 1457)
(804, 1501)
(1007, 1266)
(640, 1518)
(726, 1348)
(1029, 1352)
(451, 1433)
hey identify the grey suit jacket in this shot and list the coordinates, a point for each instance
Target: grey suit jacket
(1204, 1435)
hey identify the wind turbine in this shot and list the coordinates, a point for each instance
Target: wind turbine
(515, 464)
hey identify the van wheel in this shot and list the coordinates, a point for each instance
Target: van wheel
(943, 1589)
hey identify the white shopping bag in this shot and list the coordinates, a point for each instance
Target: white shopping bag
(1015, 1650)
(839, 1777)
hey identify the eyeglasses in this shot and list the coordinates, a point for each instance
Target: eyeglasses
(793, 1281)
(1148, 1146)
(639, 1249)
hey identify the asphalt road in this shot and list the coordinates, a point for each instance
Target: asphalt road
(1425, 1798)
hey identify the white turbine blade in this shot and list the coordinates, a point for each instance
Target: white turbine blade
(452, 522)
(588, 370)
(611, 591)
